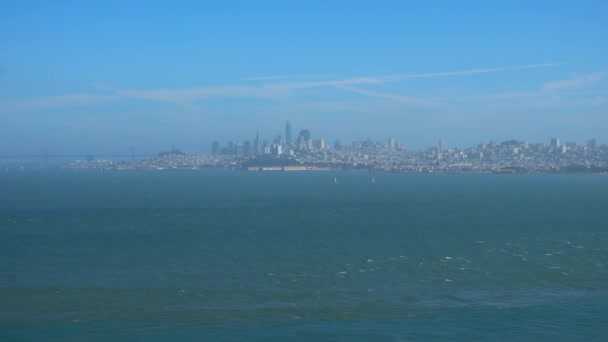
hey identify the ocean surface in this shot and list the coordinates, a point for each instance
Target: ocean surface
(238, 256)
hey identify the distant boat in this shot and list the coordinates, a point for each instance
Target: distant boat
(373, 180)
(336, 180)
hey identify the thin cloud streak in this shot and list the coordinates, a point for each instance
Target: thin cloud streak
(473, 71)
(398, 98)
(395, 78)
(548, 89)
(50, 102)
(278, 92)
(189, 95)
(577, 82)
(270, 78)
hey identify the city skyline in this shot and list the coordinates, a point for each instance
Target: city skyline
(105, 76)
(256, 144)
(305, 153)
(391, 142)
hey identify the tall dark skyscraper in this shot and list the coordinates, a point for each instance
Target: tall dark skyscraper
(257, 144)
(304, 141)
(247, 149)
(288, 133)
(215, 148)
(304, 134)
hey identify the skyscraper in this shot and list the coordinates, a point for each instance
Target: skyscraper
(288, 133)
(591, 144)
(441, 145)
(305, 134)
(319, 144)
(304, 141)
(215, 148)
(247, 149)
(257, 144)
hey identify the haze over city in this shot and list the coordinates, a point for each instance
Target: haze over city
(303, 170)
(101, 77)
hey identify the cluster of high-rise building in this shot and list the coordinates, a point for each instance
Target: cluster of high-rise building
(288, 145)
(278, 146)
(303, 151)
(392, 156)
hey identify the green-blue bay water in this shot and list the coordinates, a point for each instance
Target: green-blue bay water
(294, 256)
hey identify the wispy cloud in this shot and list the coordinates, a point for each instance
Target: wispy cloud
(329, 83)
(274, 91)
(395, 78)
(348, 83)
(573, 92)
(50, 102)
(513, 95)
(189, 95)
(473, 71)
(575, 89)
(274, 78)
(410, 100)
(575, 82)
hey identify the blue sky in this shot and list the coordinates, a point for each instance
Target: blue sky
(101, 76)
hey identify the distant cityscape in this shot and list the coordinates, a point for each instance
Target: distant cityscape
(303, 153)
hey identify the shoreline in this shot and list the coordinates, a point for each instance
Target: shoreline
(309, 169)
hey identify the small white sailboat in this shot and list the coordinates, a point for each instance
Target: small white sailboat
(373, 180)
(336, 180)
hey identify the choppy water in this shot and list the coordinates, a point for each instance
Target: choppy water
(293, 256)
